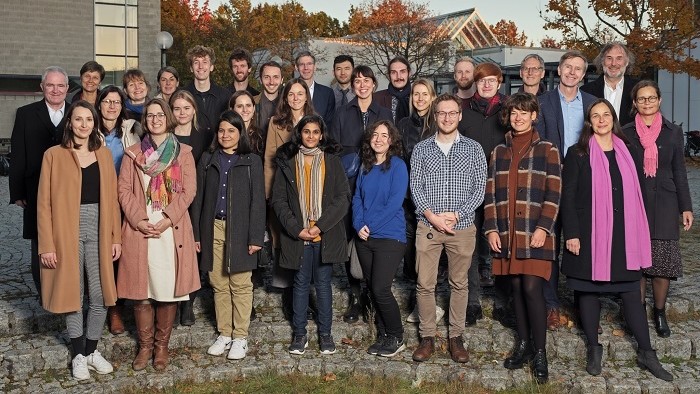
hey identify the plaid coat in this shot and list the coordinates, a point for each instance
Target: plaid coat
(537, 205)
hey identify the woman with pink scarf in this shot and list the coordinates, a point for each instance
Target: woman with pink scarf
(606, 232)
(665, 183)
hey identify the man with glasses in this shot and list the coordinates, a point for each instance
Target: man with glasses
(448, 178)
(38, 126)
(532, 72)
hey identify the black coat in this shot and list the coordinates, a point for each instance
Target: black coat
(210, 105)
(245, 211)
(597, 88)
(335, 205)
(198, 140)
(411, 129)
(488, 131)
(668, 194)
(324, 102)
(348, 127)
(32, 135)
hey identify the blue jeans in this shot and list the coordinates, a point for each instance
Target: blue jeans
(312, 268)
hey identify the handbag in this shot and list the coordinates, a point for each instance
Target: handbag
(355, 267)
(351, 164)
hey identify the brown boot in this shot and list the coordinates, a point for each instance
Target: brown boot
(165, 316)
(457, 351)
(425, 349)
(116, 325)
(143, 314)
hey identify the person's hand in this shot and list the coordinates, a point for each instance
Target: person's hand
(253, 248)
(687, 220)
(49, 260)
(315, 231)
(450, 219)
(573, 245)
(147, 229)
(305, 236)
(116, 251)
(441, 223)
(363, 233)
(494, 241)
(538, 238)
(198, 247)
(162, 225)
(21, 203)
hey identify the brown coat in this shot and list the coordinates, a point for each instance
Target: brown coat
(58, 222)
(276, 137)
(132, 282)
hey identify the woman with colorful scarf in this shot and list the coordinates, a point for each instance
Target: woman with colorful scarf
(660, 142)
(606, 232)
(156, 185)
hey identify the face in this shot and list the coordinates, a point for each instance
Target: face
(240, 70)
(615, 63)
(137, 90)
(398, 73)
(271, 79)
(183, 111)
(228, 136)
(421, 98)
(306, 67)
(464, 75)
(111, 106)
(155, 120)
(342, 72)
(55, 88)
(296, 98)
(521, 121)
(82, 123)
(571, 71)
(601, 119)
(311, 135)
(201, 67)
(244, 107)
(531, 72)
(380, 141)
(488, 86)
(448, 115)
(363, 87)
(90, 80)
(168, 83)
(643, 101)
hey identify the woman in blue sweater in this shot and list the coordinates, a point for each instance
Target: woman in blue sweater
(378, 219)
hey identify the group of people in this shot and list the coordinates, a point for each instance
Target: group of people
(202, 178)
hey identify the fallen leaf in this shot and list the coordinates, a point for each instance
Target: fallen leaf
(618, 332)
(329, 377)
(347, 341)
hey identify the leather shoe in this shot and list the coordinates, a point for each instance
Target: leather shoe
(425, 350)
(187, 312)
(594, 359)
(352, 315)
(647, 359)
(457, 351)
(661, 324)
(553, 321)
(521, 354)
(539, 367)
(474, 313)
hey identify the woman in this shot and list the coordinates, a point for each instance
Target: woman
(168, 82)
(524, 183)
(157, 183)
(136, 88)
(378, 220)
(91, 76)
(243, 103)
(118, 133)
(184, 108)
(79, 234)
(311, 214)
(660, 142)
(606, 232)
(230, 210)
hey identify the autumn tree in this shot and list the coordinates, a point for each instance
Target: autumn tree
(549, 42)
(507, 33)
(659, 32)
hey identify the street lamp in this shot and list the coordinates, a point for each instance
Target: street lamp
(164, 40)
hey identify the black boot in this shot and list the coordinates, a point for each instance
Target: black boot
(187, 312)
(287, 303)
(521, 354)
(539, 366)
(646, 359)
(594, 359)
(660, 323)
(352, 315)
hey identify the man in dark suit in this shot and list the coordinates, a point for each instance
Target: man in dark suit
(560, 122)
(397, 96)
(38, 126)
(613, 62)
(322, 96)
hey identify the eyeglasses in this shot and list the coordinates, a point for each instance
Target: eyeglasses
(109, 103)
(528, 70)
(444, 114)
(487, 81)
(159, 116)
(650, 100)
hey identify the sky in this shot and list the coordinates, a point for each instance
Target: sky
(525, 13)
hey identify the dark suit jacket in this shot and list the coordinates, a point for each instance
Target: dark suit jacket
(551, 121)
(32, 135)
(324, 102)
(597, 88)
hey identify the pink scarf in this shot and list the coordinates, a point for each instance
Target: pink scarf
(637, 238)
(648, 136)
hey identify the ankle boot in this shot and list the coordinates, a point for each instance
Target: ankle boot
(539, 366)
(187, 312)
(594, 359)
(521, 354)
(116, 325)
(660, 323)
(165, 316)
(352, 315)
(646, 359)
(143, 315)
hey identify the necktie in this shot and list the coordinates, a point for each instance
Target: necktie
(344, 93)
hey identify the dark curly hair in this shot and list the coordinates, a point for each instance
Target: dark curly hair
(367, 155)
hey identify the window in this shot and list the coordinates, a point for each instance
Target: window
(116, 37)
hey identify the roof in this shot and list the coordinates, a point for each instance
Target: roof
(467, 29)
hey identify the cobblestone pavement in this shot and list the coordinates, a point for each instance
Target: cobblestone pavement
(34, 355)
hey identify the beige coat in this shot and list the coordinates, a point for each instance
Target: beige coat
(276, 137)
(58, 221)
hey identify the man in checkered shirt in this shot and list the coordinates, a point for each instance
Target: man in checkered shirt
(448, 177)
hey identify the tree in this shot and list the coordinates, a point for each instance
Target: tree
(507, 33)
(384, 29)
(659, 32)
(549, 42)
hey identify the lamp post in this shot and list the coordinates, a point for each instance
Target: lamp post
(164, 40)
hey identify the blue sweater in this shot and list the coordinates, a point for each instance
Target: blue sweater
(378, 200)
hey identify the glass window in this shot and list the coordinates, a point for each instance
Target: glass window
(131, 17)
(110, 41)
(132, 42)
(116, 35)
(111, 63)
(111, 15)
(112, 1)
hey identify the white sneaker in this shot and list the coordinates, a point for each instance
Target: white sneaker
(97, 363)
(239, 348)
(219, 346)
(413, 317)
(80, 368)
(439, 313)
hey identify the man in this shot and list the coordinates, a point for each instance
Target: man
(397, 96)
(561, 120)
(211, 99)
(241, 64)
(91, 76)
(448, 177)
(464, 79)
(532, 72)
(38, 126)
(614, 61)
(322, 96)
(271, 80)
(342, 71)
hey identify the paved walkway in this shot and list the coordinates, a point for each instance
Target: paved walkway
(34, 354)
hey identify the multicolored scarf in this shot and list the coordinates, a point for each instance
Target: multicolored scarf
(487, 107)
(647, 136)
(160, 163)
(310, 205)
